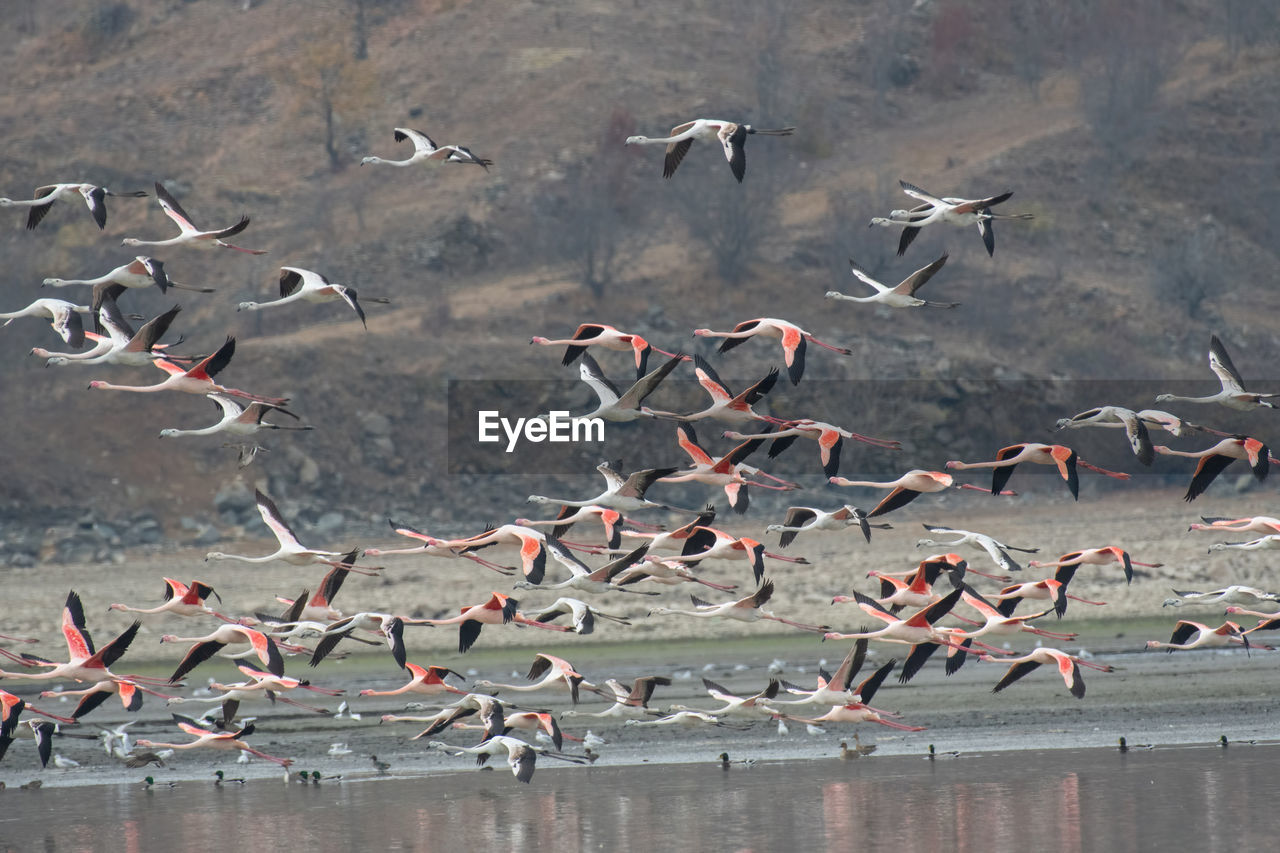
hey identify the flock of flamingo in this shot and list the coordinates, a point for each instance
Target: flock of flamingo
(943, 603)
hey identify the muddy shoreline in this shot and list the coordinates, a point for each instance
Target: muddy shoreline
(1152, 697)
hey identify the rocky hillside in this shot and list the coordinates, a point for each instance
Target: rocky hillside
(1142, 140)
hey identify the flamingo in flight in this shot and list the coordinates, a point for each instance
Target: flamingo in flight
(731, 136)
(748, 609)
(197, 379)
(997, 623)
(1068, 667)
(64, 316)
(532, 544)
(1196, 635)
(582, 615)
(121, 344)
(582, 577)
(955, 211)
(617, 405)
(1112, 416)
(708, 543)
(142, 271)
(129, 691)
(1048, 589)
(727, 471)
(11, 708)
(998, 551)
(231, 634)
(498, 609)
(229, 696)
(428, 681)
(1136, 424)
(753, 706)
(609, 337)
(801, 518)
(628, 703)
(101, 345)
(915, 588)
(427, 152)
(1214, 460)
(793, 340)
(128, 347)
(1135, 427)
(533, 721)
(547, 671)
(84, 663)
(1236, 594)
(1094, 557)
(625, 494)
(93, 195)
(488, 708)
(855, 712)
(725, 405)
(612, 520)
(1262, 543)
(673, 540)
(181, 600)
(902, 295)
(849, 702)
(830, 439)
(908, 487)
(521, 757)
(299, 284)
(838, 688)
(919, 630)
(434, 547)
(320, 606)
(1060, 455)
(1232, 394)
(214, 740)
(291, 551)
(666, 573)
(387, 625)
(190, 235)
(238, 419)
(1254, 524)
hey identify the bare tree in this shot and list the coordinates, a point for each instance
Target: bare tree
(874, 249)
(731, 219)
(1194, 267)
(359, 32)
(1134, 49)
(1246, 23)
(591, 218)
(889, 62)
(327, 84)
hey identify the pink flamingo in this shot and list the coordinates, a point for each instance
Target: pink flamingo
(1063, 457)
(793, 340)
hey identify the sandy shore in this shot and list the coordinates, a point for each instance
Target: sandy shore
(1152, 697)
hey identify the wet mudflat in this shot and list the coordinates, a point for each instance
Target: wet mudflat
(1205, 797)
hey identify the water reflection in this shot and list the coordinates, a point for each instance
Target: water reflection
(1068, 801)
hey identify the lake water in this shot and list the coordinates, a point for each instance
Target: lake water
(1184, 798)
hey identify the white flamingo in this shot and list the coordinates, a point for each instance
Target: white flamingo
(190, 235)
(299, 284)
(954, 211)
(1232, 394)
(426, 151)
(730, 135)
(93, 195)
(902, 295)
(64, 316)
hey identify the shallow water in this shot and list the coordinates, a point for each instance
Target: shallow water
(1205, 798)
